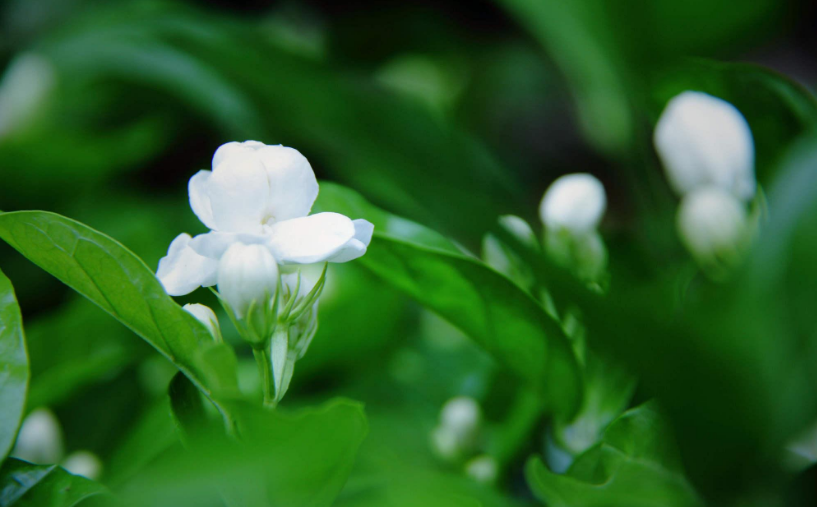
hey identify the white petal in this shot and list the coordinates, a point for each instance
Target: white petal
(200, 199)
(213, 244)
(182, 270)
(229, 150)
(293, 187)
(247, 274)
(310, 239)
(239, 192)
(356, 246)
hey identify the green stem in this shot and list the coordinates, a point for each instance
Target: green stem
(264, 362)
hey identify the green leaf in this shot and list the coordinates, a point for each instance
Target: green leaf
(111, 276)
(25, 485)
(13, 366)
(487, 306)
(635, 464)
(298, 459)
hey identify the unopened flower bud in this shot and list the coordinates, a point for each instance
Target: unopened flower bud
(703, 140)
(84, 463)
(247, 275)
(456, 435)
(482, 469)
(712, 224)
(40, 438)
(575, 203)
(206, 316)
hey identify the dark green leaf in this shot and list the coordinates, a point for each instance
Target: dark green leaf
(486, 305)
(297, 459)
(13, 366)
(25, 485)
(111, 276)
(635, 464)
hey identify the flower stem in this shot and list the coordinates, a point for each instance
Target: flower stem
(264, 362)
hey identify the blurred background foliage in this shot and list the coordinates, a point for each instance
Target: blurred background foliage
(450, 114)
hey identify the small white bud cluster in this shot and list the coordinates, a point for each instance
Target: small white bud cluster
(571, 210)
(456, 436)
(707, 151)
(39, 441)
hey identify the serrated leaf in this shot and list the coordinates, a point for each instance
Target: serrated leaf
(14, 371)
(635, 464)
(487, 306)
(111, 276)
(23, 484)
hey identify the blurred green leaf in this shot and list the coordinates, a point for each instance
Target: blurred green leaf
(25, 485)
(13, 366)
(635, 464)
(111, 276)
(297, 459)
(486, 305)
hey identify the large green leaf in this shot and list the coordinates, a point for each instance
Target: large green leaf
(13, 366)
(25, 485)
(635, 464)
(295, 458)
(487, 306)
(108, 274)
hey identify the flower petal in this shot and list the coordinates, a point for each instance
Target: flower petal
(356, 246)
(229, 150)
(293, 187)
(200, 199)
(213, 244)
(182, 270)
(239, 192)
(309, 239)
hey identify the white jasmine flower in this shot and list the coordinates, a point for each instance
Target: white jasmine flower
(84, 463)
(703, 140)
(574, 203)
(262, 195)
(247, 275)
(712, 224)
(206, 316)
(40, 438)
(482, 469)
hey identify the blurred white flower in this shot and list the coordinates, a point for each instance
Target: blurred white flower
(703, 140)
(260, 195)
(206, 316)
(574, 203)
(247, 275)
(40, 438)
(712, 224)
(482, 469)
(26, 84)
(84, 463)
(457, 433)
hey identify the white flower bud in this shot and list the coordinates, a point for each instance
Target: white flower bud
(25, 86)
(40, 438)
(247, 274)
(712, 224)
(206, 316)
(574, 202)
(703, 140)
(482, 469)
(84, 463)
(463, 415)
